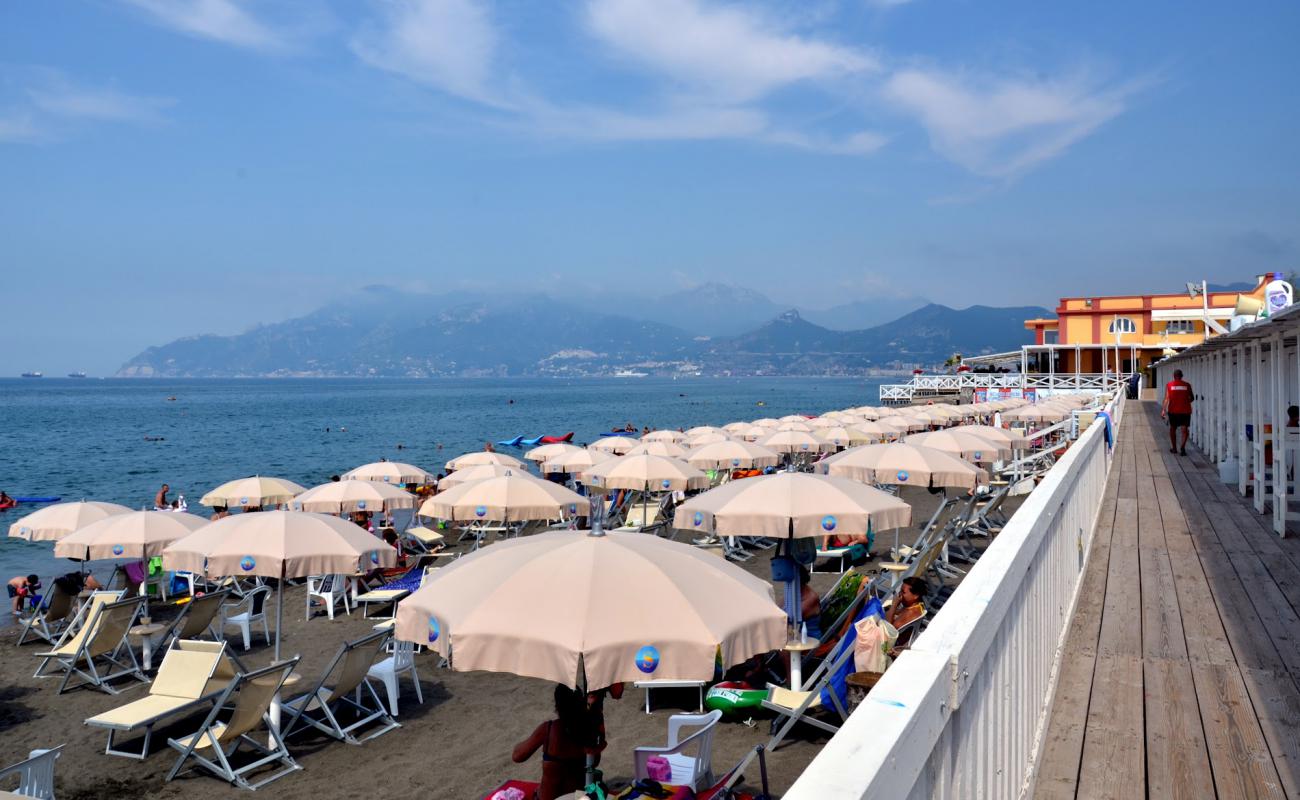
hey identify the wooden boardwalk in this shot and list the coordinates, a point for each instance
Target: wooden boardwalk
(1181, 672)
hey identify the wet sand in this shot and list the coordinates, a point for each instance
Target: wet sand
(456, 745)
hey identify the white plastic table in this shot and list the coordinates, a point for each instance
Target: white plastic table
(796, 649)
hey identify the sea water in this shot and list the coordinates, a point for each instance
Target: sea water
(120, 440)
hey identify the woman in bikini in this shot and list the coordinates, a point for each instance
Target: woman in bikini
(565, 743)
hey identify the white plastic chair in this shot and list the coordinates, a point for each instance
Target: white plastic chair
(693, 771)
(36, 774)
(390, 670)
(331, 589)
(242, 615)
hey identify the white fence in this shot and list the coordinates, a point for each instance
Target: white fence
(1057, 382)
(963, 712)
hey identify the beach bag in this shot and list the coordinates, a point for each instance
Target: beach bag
(875, 638)
(658, 769)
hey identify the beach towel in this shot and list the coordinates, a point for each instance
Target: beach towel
(837, 687)
(1110, 437)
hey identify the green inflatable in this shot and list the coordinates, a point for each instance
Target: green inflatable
(734, 697)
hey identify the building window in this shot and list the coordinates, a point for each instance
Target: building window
(1050, 336)
(1122, 325)
(1180, 326)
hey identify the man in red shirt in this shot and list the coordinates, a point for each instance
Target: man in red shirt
(1177, 408)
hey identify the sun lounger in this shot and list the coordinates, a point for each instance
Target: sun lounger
(318, 707)
(197, 617)
(35, 774)
(215, 742)
(101, 640)
(793, 707)
(57, 610)
(183, 684)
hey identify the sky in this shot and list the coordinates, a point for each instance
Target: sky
(176, 167)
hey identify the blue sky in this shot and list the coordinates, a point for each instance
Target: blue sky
(170, 167)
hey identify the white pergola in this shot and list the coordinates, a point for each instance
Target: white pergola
(1242, 384)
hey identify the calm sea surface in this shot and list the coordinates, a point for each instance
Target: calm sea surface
(91, 439)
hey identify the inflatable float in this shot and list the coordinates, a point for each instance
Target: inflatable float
(520, 441)
(734, 697)
(14, 501)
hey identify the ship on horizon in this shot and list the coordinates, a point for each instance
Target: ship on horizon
(33, 375)
(77, 374)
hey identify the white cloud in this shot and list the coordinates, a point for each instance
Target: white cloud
(609, 124)
(1001, 127)
(727, 52)
(226, 21)
(888, 3)
(19, 127)
(447, 44)
(59, 98)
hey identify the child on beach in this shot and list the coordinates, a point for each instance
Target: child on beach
(21, 589)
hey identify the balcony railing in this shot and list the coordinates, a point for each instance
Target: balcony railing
(951, 384)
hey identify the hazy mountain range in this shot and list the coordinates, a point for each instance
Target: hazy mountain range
(712, 329)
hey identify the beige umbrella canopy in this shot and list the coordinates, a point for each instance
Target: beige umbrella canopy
(795, 425)
(796, 442)
(345, 497)
(388, 472)
(646, 473)
(1041, 412)
(618, 445)
(54, 522)
(793, 418)
(482, 457)
(842, 436)
(663, 436)
(732, 454)
(592, 611)
(792, 504)
(1001, 435)
(509, 498)
(752, 433)
(768, 422)
(877, 431)
(576, 462)
(254, 492)
(699, 430)
(547, 452)
(902, 465)
(137, 534)
(895, 424)
(280, 545)
(825, 421)
(480, 473)
(736, 427)
(963, 444)
(701, 439)
(658, 448)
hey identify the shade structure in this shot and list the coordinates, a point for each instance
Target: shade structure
(797, 425)
(255, 492)
(1040, 412)
(792, 504)
(842, 436)
(483, 457)
(617, 445)
(593, 611)
(910, 422)
(646, 473)
(509, 498)
(664, 436)
(732, 454)
(796, 442)
(768, 422)
(479, 473)
(870, 412)
(826, 421)
(701, 439)
(735, 427)
(793, 418)
(576, 462)
(280, 545)
(963, 444)
(895, 424)
(752, 433)
(547, 452)
(876, 431)
(388, 472)
(136, 534)
(902, 464)
(702, 429)
(1002, 435)
(659, 448)
(346, 497)
(54, 522)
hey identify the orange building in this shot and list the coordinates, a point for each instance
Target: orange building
(1092, 334)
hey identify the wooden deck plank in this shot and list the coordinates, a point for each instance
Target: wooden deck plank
(1177, 762)
(1114, 762)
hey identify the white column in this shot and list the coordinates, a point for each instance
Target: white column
(1277, 354)
(1241, 415)
(1257, 401)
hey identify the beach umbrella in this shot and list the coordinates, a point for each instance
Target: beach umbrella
(658, 448)
(752, 433)
(508, 498)
(699, 430)
(793, 418)
(731, 454)
(547, 452)
(481, 472)
(876, 431)
(842, 436)
(792, 505)
(663, 436)
(1000, 435)
(768, 422)
(800, 425)
(701, 439)
(135, 534)
(255, 492)
(910, 422)
(576, 462)
(280, 545)
(343, 497)
(735, 427)
(902, 464)
(825, 421)
(388, 472)
(591, 611)
(895, 424)
(645, 473)
(618, 445)
(1041, 412)
(482, 457)
(796, 442)
(54, 522)
(963, 444)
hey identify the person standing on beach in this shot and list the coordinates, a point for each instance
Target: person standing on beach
(160, 499)
(1177, 408)
(22, 588)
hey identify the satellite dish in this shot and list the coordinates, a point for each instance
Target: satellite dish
(1193, 290)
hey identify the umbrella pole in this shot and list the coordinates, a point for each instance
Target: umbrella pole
(279, 613)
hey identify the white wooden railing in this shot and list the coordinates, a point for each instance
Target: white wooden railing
(962, 713)
(1068, 381)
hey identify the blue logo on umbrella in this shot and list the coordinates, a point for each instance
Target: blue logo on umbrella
(118, 549)
(247, 563)
(828, 523)
(698, 519)
(361, 504)
(374, 556)
(297, 506)
(386, 479)
(434, 630)
(666, 483)
(803, 447)
(979, 456)
(902, 476)
(573, 508)
(243, 501)
(480, 511)
(647, 659)
(735, 462)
